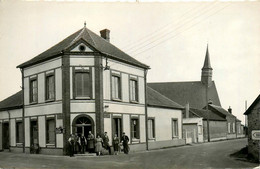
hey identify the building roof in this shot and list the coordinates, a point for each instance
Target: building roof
(98, 43)
(193, 92)
(249, 110)
(207, 64)
(220, 110)
(204, 114)
(12, 102)
(156, 99)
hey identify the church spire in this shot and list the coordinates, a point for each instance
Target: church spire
(206, 73)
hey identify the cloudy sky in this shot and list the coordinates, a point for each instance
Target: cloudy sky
(170, 37)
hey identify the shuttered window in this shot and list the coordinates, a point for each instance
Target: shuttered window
(33, 91)
(50, 131)
(151, 129)
(175, 128)
(82, 84)
(50, 92)
(133, 90)
(19, 132)
(116, 87)
(135, 128)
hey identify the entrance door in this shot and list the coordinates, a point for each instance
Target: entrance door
(117, 127)
(83, 125)
(34, 132)
(6, 135)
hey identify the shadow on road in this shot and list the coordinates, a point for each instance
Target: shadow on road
(242, 155)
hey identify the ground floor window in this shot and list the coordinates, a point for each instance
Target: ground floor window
(234, 128)
(200, 129)
(135, 128)
(19, 132)
(175, 128)
(34, 132)
(117, 127)
(229, 126)
(50, 131)
(151, 129)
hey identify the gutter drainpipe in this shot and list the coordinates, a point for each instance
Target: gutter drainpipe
(9, 146)
(23, 110)
(146, 114)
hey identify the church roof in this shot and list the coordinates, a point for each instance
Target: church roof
(193, 92)
(207, 64)
(155, 98)
(98, 43)
(205, 114)
(12, 102)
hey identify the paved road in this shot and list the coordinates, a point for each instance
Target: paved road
(207, 155)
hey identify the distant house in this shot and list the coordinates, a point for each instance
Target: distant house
(231, 119)
(217, 125)
(84, 83)
(253, 115)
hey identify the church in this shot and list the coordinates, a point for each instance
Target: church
(85, 83)
(203, 112)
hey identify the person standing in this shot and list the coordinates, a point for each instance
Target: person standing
(125, 141)
(98, 145)
(90, 140)
(71, 141)
(106, 142)
(116, 144)
(83, 143)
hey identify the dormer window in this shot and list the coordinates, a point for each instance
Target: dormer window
(82, 48)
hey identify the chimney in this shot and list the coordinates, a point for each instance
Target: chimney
(210, 101)
(230, 110)
(105, 34)
(187, 110)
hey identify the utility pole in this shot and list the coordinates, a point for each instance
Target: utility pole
(207, 110)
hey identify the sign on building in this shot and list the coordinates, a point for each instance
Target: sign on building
(255, 134)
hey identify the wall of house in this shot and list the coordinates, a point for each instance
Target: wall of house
(193, 129)
(163, 122)
(232, 121)
(254, 124)
(217, 130)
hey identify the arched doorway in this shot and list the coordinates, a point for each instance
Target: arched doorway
(82, 124)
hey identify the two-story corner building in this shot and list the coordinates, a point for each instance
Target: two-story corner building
(82, 84)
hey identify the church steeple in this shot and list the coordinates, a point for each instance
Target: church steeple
(206, 73)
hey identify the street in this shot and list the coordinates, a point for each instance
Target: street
(207, 155)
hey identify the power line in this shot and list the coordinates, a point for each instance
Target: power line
(182, 31)
(178, 27)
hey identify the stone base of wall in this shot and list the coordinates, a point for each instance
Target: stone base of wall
(165, 144)
(241, 136)
(254, 148)
(47, 151)
(137, 147)
(231, 136)
(16, 149)
(218, 139)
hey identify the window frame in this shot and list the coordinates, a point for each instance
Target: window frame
(131, 79)
(89, 71)
(31, 94)
(153, 128)
(176, 129)
(119, 86)
(229, 127)
(114, 127)
(48, 75)
(47, 133)
(135, 139)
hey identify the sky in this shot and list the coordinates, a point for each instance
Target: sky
(170, 37)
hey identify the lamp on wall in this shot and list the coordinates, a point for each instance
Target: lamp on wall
(106, 67)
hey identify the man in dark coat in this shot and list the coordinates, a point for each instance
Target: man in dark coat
(90, 142)
(71, 145)
(125, 140)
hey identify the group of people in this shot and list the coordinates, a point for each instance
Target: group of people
(80, 144)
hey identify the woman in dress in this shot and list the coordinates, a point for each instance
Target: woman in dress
(98, 145)
(116, 144)
(90, 142)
